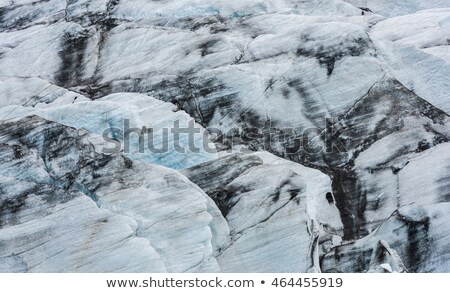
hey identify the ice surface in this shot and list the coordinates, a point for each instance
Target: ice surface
(77, 210)
(370, 77)
(112, 115)
(277, 212)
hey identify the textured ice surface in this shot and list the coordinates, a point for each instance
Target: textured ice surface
(417, 52)
(371, 77)
(66, 207)
(273, 208)
(143, 126)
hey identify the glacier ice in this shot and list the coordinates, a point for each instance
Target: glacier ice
(370, 77)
